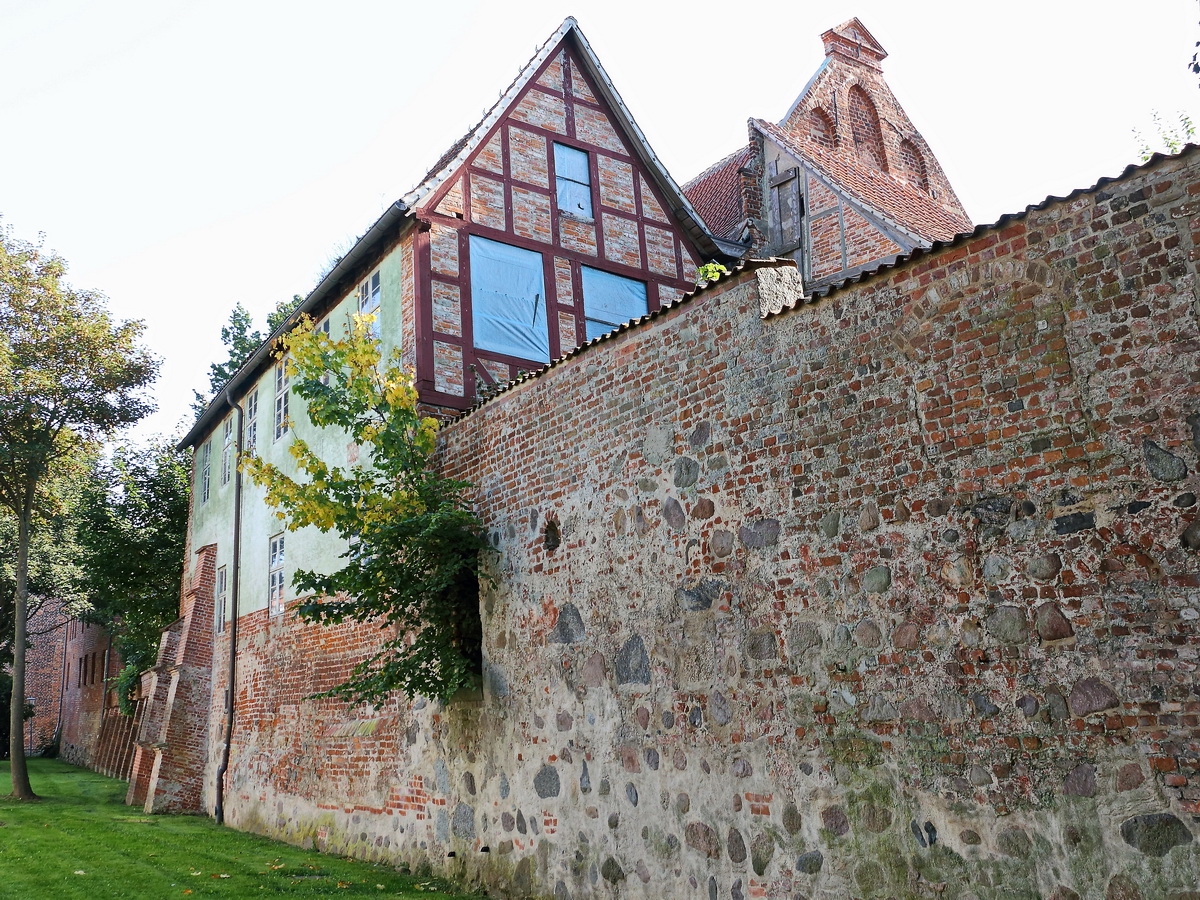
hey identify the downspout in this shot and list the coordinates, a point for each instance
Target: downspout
(62, 682)
(232, 614)
(104, 679)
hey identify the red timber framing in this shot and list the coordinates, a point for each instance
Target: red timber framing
(505, 192)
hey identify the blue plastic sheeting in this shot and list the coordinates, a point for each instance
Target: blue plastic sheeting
(508, 300)
(610, 300)
(573, 180)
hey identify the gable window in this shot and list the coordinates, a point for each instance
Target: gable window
(610, 300)
(252, 421)
(227, 451)
(205, 470)
(508, 305)
(573, 181)
(282, 381)
(369, 296)
(219, 596)
(275, 601)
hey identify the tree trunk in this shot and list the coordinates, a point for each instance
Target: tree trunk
(21, 789)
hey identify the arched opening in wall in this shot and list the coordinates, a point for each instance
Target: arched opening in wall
(821, 130)
(864, 126)
(914, 171)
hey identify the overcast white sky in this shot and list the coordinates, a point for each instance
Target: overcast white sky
(185, 156)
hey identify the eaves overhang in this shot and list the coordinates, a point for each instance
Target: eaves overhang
(365, 248)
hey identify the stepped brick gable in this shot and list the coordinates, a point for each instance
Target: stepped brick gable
(844, 183)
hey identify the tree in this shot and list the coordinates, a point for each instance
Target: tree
(132, 530)
(1170, 138)
(53, 575)
(69, 377)
(240, 342)
(414, 545)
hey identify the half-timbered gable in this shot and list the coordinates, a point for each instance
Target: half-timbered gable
(550, 224)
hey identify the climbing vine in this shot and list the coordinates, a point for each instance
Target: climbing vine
(414, 545)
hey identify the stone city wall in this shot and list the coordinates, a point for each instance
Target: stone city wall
(891, 593)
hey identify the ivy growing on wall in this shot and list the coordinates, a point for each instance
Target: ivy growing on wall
(415, 546)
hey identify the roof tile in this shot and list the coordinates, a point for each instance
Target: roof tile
(911, 209)
(716, 194)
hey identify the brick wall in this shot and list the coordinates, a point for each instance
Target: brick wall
(44, 673)
(893, 592)
(170, 770)
(87, 693)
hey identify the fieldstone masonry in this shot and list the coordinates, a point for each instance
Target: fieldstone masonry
(889, 592)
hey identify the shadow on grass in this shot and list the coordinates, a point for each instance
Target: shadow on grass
(80, 840)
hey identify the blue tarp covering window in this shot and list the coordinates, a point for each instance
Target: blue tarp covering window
(573, 181)
(610, 300)
(508, 300)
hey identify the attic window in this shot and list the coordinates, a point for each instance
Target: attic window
(573, 181)
(610, 301)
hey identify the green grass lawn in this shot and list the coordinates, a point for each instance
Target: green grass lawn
(82, 841)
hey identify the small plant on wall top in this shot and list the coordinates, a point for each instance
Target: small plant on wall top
(710, 271)
(415, 545)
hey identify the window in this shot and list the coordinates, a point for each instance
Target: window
(508, 306)
(275, 602)
(205, 470)
(220, 594)
(368, 302)
(282, 380)
(252, 421)
(323, 326)
(227, 451)
(573, 181)
(610, 300)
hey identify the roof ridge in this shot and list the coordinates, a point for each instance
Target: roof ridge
(458, 150)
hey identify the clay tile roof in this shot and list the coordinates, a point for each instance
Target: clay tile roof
(716, 194)
(912, 210)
